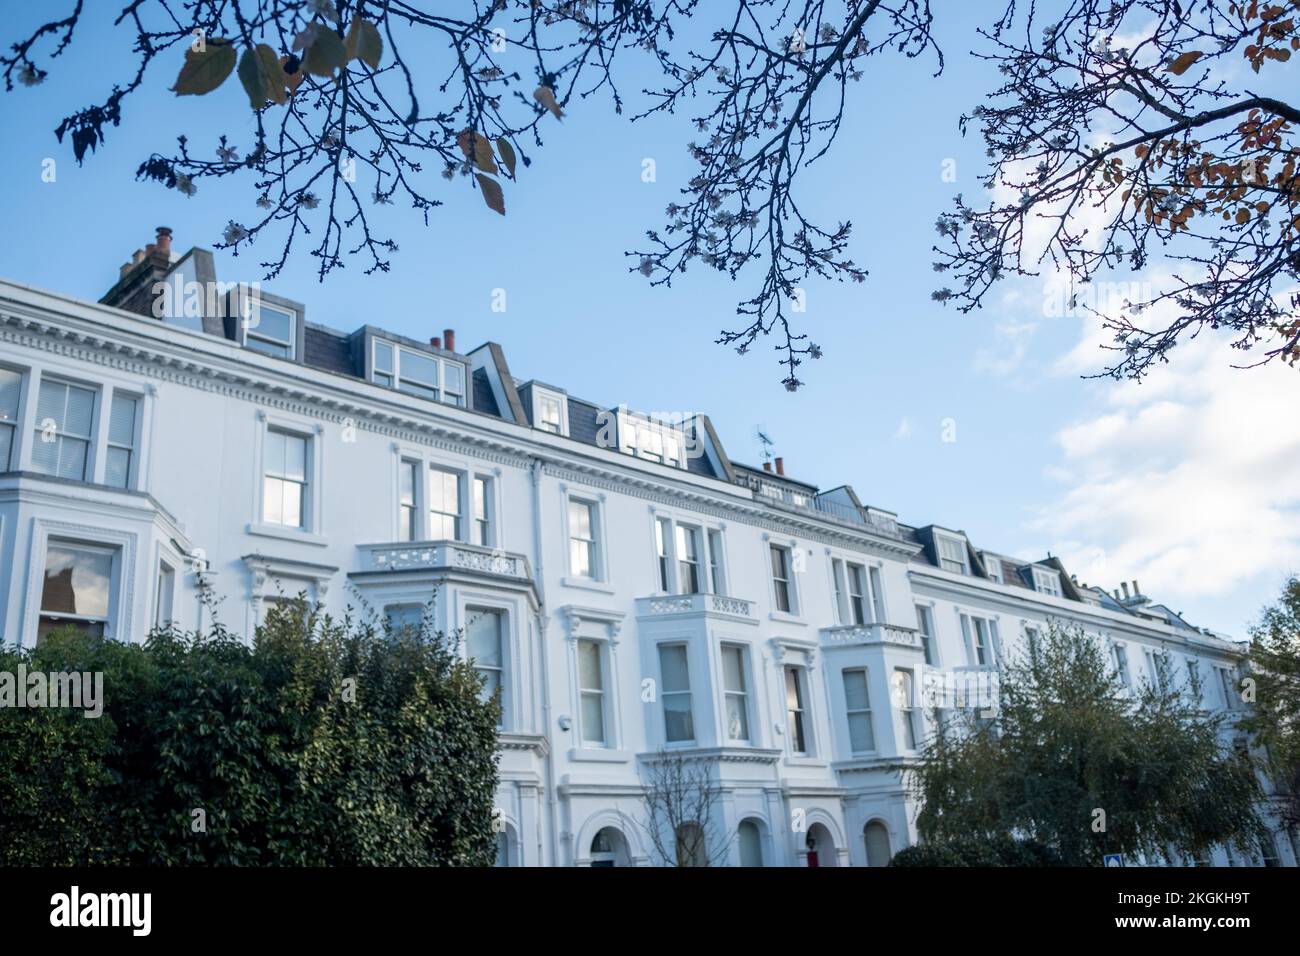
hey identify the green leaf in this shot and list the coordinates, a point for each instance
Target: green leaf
(273, 70)
(250, 74)
(205, 69)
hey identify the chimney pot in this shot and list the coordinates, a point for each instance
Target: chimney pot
(164, 240)
(1124, 586)
(767, 466)
(1136, 589)
(780, 466)
(436, 342)
(449, 337)
(137, 257)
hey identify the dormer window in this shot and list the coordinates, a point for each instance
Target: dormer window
(550, 411)
(652, 439)
(1047, 582)
(418, 373)
(993, 565)
(952, 554)
(272, 330)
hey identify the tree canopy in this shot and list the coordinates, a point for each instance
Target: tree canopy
(1120, 135)
(1274, 718)
(1076, 765)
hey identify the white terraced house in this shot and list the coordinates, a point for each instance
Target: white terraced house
(625, 584)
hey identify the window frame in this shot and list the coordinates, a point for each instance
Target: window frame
(786, 551)
(122, 604)
(94, 457)
(440, 362)
(15, 425)
(908, 712)
(744, 693)
(132, 450)
(540, 397)
(798, 718)
(959, 543)
(606, 742)
(304, 486)
(688, 692)
(313, 529)
(926, 630)
(594, 544)
(850, 712)
(1048, 582)
(295, 329)
(504, 670)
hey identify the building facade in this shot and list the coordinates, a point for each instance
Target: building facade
(183, 446)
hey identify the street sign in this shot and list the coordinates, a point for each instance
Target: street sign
(1112, 859)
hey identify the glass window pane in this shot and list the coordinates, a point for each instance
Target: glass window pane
(593, 718)
(733, 670)
(678, 724)
(77, 581)
(579, 519)
(273, 323)
(74, 454)
(81, 411)
(11, 389)
(117, 467)
(862, 737)
(274, 452)
(383, 357)
(121, 421)
(672, 662)
(589, 676)
(272, 501)
(295, 457)
(855, 690)
(483, 638)
(419, 369)
(6, 447)
(292, 503)
(737, 718)
(453, 378)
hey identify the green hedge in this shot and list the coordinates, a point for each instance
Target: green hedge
(1004, 852)
(324, 743)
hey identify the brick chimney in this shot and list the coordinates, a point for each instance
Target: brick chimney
(780, 467)
(134, 288)
(449, 339)
(436, 342)
(767, 466)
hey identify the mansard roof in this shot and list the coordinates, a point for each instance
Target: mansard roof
(491, 390)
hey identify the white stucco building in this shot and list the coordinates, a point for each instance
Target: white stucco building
(626, 584)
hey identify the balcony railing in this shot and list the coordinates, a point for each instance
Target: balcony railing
(431, 555)
(872, 634)
(695, 604)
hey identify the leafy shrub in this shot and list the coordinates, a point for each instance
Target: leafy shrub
(324, 743)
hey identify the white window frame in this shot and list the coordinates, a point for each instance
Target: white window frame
(970, 635)
(313, 529)
(746, 692)
(540, 397)
(133, 468)
(664, 693)
(439, 361)
(599, 568)
(488, 523)
(925, 612)
(467, 471)
(792, 587)
(603, 692)
(164, 599)
(250, 331)
(474, 603)
(122, 592)
(1119, 654)
(93, 468)
(706, 536)
(993, 565)
(803, 709)
(960, 543)
(462, 499)
(1048, 582)
(876, 582)
(913, 733)
(849, 712)
(15, 424)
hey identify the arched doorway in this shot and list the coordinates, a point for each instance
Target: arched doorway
(608, 848)
(820, 846)
(876, 835)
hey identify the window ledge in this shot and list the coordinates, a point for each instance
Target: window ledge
(791, 761)
(587, 584)
(597, 755)
(286, 534)
(785, 618)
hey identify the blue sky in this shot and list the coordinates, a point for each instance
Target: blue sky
(1163, 482)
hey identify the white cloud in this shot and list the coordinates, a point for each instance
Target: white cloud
(1189, 481)
(1013, 342)
(904, 429)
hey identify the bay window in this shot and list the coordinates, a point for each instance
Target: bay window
(444, 504)
(77, 589)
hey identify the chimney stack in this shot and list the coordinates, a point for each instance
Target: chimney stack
(164, 241)
(1136, 591)
(767, 466)
(436, 342)
(449, 337)
(136, 278)
(780, 467)
(1124, 586)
